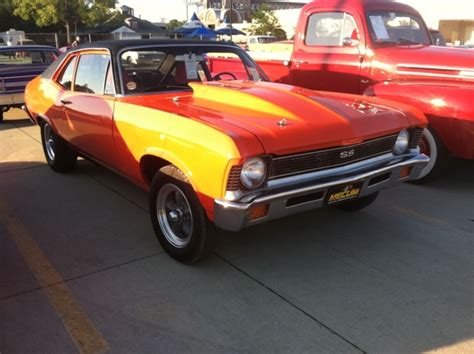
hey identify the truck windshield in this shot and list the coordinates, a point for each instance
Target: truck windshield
(396, 28)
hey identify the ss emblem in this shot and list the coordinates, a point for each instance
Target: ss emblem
(347, 153)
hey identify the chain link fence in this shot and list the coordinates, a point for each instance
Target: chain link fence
(59, 40)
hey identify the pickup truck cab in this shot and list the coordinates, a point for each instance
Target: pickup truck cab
(384, 49)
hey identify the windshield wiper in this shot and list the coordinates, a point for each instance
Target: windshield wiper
(406, 40)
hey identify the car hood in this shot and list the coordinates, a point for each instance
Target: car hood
(287, 119)
(427, 62)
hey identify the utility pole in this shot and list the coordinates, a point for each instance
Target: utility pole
(231, 10)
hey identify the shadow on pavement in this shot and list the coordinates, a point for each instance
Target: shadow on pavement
(387, 281)
(15, 124)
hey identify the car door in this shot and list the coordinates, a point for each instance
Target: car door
(328, 56)
(89, 107)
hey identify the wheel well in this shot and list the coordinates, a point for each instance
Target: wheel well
(150, 165)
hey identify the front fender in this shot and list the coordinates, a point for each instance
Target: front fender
(448, 107)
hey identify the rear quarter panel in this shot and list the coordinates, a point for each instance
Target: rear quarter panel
(41, 96)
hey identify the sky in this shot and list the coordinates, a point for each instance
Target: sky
(155, 10)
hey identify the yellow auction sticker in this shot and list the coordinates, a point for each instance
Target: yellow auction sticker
(344, 193)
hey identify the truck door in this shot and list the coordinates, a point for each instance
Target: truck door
(328, 55)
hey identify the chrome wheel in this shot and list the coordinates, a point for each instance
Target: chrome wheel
(174, 215)
(49, 141)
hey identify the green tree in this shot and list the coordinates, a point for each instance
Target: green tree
(99, 13)
(174, 24)
(264, 22)
(48, 12)
(43, 13)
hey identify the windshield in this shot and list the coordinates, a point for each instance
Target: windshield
(161, 69)
(387, 27)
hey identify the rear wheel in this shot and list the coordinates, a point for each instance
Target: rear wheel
(358, 204)
(431, 146)
(58, 154)
(2, 110)
(178, 219)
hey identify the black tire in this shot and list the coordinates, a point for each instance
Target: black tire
(1, 114)
(58, 154)
(187, 246)
(432, 146)
(358, 204)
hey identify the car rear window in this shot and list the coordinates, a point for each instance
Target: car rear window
(24, 57)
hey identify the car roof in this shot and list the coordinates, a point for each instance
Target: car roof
(117, 45)
(362, 5)
(26, 47)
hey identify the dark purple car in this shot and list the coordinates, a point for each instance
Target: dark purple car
(18, 66)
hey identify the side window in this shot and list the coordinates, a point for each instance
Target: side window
(330, 28)
(65, 79)
(91, 72)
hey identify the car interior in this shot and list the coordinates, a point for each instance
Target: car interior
(156, 71)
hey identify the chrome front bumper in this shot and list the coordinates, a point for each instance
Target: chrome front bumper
(300, 193)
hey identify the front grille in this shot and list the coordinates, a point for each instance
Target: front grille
(316, 160)
(233, 182)
(415, 137)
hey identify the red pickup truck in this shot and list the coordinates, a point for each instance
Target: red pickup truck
(384, 49)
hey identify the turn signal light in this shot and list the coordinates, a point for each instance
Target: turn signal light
(405, 171)
(258, 211)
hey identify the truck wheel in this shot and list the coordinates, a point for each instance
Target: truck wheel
(431, 146)
(358, 204)
(178, 219)
(1, 114)
(58, 154)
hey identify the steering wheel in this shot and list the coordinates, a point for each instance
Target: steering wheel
(218, 76)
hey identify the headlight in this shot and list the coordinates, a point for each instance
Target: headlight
(253, 173)
(401, 145)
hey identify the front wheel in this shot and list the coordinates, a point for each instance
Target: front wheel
(179, 221)
(358, 204)
(431, 146)
(58, 154)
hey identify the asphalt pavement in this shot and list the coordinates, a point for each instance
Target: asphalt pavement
(81, 270)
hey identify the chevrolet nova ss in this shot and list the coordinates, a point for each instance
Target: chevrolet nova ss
(213, 150)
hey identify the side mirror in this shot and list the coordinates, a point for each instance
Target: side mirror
(349, 42)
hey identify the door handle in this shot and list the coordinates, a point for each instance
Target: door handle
(301, 62)
(66, 102)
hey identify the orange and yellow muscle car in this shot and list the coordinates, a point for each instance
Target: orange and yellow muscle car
(226, 149)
